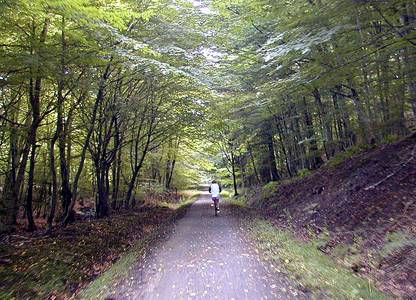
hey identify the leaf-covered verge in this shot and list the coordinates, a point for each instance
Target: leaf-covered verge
(319, 275)
(62, 264)
(362, 211)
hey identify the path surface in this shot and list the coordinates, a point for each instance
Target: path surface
(205, 258)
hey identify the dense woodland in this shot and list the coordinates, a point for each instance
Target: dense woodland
(102, 98)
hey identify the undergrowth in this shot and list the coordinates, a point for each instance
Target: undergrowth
(340, 157)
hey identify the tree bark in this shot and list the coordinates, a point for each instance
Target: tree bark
(137, 168)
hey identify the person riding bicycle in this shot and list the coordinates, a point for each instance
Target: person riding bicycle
(215, 190)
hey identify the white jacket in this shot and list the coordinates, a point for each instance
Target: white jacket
(215, 190)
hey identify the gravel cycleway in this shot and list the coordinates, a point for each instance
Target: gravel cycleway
(206, 257)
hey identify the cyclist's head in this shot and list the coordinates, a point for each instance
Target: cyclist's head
(214, 181)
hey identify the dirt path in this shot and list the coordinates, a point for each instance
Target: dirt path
(205, 258)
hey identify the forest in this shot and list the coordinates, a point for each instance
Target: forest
(105, 103)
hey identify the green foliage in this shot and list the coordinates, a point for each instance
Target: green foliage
(303, 173)
(270, 189)
(392, 138)
(340, 251)
(318, 77)
(111, 75)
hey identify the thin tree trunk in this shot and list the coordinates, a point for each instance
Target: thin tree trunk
(250, 151)
(58, 135)
(315, 160)
(327, 132)
(136, 170)
(116, 170)
(233, 173)
(54, 191)
(363, 120)
(100, 96)
(172, 168)
(35, 93)
(282, 145)
(408, 20)
(8, 205)
(30, 183)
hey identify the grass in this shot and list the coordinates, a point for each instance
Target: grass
(340, 157)
(188, 197)
(310, 267)
(397, 241)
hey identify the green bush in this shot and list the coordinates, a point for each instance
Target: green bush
(269, 189)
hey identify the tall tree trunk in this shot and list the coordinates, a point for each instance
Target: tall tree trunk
(9, 198)
(34, 95)
(325, 122)
(131, 186)
(54, 191)
(100, 96)
(363, 120)
(32, 162)
(283, 146)
(234, 173)
(137, 168)
(102, 190)
(299, 146)
(170, 174)
(116, 170)
(398, 111)
(268, 140)
(59, 134)
(315, 161)
(409, 19)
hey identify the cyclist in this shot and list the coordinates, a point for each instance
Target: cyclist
(215, 190)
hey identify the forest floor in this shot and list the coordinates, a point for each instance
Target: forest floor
(360, 211)
(58, 266)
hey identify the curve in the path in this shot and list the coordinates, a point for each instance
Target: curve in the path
(205, 258)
